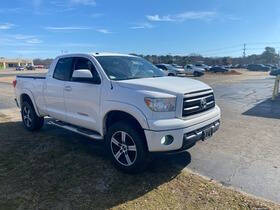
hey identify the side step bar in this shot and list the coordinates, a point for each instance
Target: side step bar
(73, 128)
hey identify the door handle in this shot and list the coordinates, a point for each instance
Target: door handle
(68, 88)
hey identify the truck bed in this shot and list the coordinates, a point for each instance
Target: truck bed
(33, 76)
(34, 83)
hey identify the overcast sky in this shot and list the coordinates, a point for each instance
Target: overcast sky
(46, 28)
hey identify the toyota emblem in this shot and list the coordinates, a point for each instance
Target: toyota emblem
(203, 103)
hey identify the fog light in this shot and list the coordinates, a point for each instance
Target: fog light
(166, 140)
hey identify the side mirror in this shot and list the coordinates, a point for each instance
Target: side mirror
(82, 74)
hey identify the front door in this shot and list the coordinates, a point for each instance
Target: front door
(82, 97)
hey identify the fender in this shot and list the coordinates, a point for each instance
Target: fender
(111, 105)
(30, 94)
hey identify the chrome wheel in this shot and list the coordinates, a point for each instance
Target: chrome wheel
(123, 148)
(26, 112)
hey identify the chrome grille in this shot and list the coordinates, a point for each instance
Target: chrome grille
(194, 103)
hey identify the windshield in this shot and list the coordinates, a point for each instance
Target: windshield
(125, 67)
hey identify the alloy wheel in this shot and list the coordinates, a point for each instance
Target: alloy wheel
(123, 148)
(27, 117)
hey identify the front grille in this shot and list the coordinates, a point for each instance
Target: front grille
(197, 103)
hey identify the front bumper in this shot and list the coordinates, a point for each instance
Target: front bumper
(180, 74)
(183, 138)
(192, 137)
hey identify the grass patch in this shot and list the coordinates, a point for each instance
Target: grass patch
(56, 169)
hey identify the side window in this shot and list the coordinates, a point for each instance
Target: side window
(163, 67)
(82, 64)
(62, 68)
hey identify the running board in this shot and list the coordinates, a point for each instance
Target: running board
(75, 129)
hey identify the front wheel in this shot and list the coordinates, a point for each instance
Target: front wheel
(31, 121)
(127, 148)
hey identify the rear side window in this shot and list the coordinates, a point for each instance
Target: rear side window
(63, 68)
(161, 67)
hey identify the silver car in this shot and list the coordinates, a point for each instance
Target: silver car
(170, 70)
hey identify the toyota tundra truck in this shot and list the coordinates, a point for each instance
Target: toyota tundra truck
(122, 100)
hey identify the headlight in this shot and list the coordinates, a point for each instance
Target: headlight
(161, 104)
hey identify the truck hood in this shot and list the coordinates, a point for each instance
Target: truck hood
(174, 85)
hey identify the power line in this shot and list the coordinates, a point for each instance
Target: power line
(223, 52)
(220, 49)
(243, 46)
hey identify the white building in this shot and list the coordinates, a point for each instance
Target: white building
(10, 63)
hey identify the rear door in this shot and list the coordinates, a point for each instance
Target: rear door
(82, 98)
(54, 89)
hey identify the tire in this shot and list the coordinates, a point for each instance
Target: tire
(196, 74)
(127, 148)
(30, 120)
(171, 75)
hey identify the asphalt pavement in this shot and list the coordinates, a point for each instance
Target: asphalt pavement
(244, 153)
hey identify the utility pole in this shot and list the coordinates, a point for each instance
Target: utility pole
(244, 50)
(278, 58)
(244, 53)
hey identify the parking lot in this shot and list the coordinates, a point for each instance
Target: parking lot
(244, 153)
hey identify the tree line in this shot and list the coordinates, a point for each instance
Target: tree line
(269, 56)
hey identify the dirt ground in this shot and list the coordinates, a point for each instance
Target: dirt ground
(221, 78)
(56, 169)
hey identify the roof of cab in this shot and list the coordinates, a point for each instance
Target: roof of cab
(93, 54)
(96, 54)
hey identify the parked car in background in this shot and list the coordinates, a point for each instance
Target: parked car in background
(170, 70)
(274, 72)
(177, 66)
(258, 67)
(39, 66)
(203, 66)
(272, 67)
(30, 67)
(227, 66)
(122, 100)
(216, 69)
(194, 70)
(19, 68)
(239, 66)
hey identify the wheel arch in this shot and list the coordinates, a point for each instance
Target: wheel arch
(27, 96)
(115, 116)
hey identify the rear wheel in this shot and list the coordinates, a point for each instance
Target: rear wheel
(30, 119)
(127, 148)
(170, 74)
(196, 74)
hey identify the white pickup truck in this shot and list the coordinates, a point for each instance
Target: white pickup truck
(122, 100)
(194, 70)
